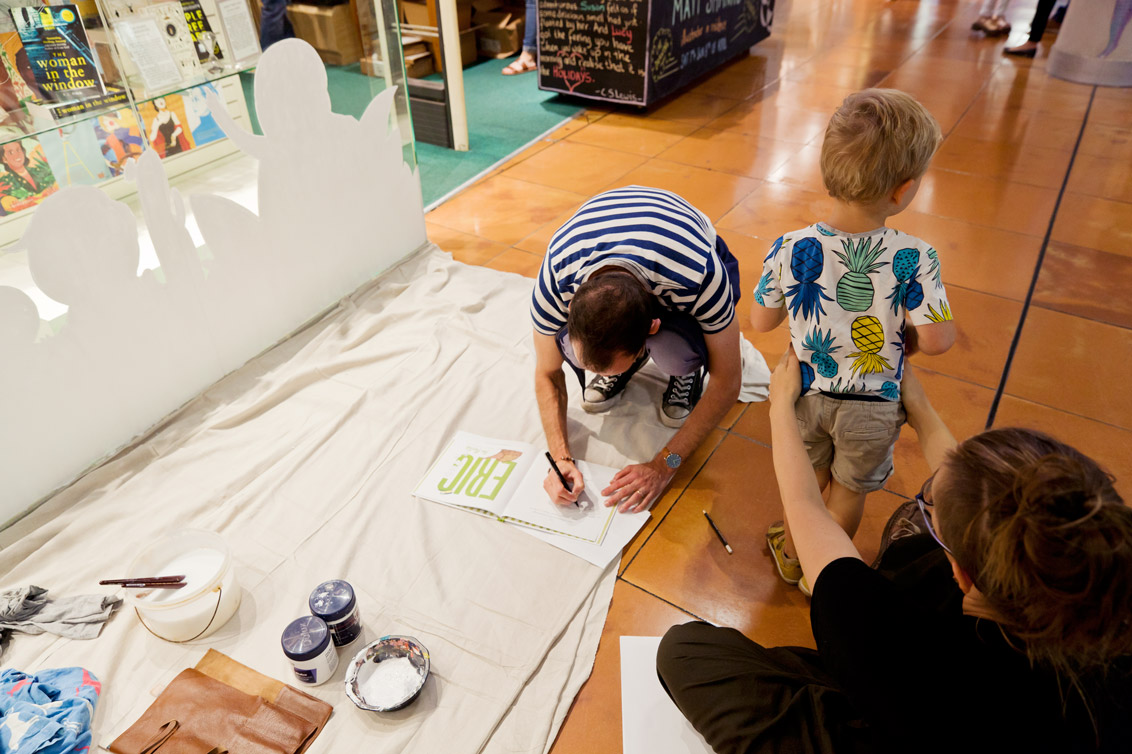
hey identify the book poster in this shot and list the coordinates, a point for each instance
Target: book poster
(17, 86)
(119, 138)
(60, 56)
(74, 154)
(174, 28)
(25, 176)
(198, 25)
(165, 125)
(202, 125)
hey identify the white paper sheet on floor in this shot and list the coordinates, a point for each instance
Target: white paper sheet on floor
(304, 460)
(651, 723)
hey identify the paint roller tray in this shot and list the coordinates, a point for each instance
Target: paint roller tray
(387, 674)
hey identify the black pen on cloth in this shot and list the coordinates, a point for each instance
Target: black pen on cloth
(569, 487)
(718, 534)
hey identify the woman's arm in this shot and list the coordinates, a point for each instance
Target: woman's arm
(818, 539)
(935, 438)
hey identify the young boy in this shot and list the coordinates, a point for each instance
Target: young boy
(860, 297)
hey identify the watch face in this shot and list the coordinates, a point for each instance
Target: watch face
(673, 460)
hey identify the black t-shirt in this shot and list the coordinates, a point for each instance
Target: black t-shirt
(928, 678)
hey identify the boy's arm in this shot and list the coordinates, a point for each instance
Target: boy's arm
(930, 339)
(766, 318)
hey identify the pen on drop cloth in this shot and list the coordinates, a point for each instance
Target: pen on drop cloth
(558, 471)
(718, 534)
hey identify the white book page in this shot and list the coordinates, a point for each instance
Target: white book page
(237, 23)
(587, 520)
(622, 528)
(477, 472)
(651, 723)
(144, 41)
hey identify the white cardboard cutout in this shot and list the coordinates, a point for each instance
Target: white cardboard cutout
(337, 205)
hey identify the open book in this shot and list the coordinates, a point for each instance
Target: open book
(503, 479)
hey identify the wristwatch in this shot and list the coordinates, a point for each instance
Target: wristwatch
(672, 460)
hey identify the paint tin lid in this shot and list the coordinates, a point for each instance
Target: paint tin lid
(305, 638)
(333, 600)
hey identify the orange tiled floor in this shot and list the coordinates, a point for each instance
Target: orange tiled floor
(743, 145)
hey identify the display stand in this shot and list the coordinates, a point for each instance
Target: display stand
(1094, 44)
(637, 52)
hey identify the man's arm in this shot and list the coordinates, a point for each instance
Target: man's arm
(636, 486)
(550, 392)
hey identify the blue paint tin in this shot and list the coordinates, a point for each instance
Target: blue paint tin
(335, 603)
(307, 644)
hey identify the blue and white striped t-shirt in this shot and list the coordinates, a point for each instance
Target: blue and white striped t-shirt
(665, 241)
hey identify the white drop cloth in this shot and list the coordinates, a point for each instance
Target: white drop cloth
(303, 460)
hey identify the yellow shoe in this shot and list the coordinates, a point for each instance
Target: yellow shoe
(804, 586)
(788, 568)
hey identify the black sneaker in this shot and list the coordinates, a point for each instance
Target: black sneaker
(603, 392)
(680, 398)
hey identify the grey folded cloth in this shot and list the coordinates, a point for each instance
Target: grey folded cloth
(30, 611)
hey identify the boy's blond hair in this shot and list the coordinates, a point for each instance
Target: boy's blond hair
(877, 140)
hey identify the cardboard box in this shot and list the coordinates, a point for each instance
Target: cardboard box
(500, 34)
(419, 65)
(332, 31)
(416, 66)
(464, 13)
(416, 13)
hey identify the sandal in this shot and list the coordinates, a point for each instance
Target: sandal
(997, 27)
(520, 65)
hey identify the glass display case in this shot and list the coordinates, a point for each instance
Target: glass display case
(86, 85)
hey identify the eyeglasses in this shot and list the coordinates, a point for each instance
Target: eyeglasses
(924, 500)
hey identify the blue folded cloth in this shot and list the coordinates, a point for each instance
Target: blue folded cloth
(49, 712)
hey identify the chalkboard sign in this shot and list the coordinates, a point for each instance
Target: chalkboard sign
(638, 51)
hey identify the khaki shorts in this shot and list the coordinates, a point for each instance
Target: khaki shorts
(853, 439)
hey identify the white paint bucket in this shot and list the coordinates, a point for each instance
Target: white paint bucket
(210, 595)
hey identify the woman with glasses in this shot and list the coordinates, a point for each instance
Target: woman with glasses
(1005, 627)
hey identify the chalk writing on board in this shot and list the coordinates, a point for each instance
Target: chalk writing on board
(766, 13)
(664, 61)
(748, 21)
(589, 45)
(638, 51)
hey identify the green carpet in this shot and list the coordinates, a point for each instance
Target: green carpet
(504, 114)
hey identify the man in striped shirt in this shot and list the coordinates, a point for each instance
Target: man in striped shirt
(636, 273)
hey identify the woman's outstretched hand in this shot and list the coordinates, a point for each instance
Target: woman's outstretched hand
(786, 381)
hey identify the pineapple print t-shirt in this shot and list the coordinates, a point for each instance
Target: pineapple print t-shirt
(846, 296)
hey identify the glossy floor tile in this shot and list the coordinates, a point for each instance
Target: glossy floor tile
(636, 135)
(684, 563)
(713, 193)
(1105, 443)
(982, 259)
(731, 152)
(503, 209)
(992, 202)
(576, 167)
(744, 144)
(1085, 282)
(1074, 364)
(1095, 223)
